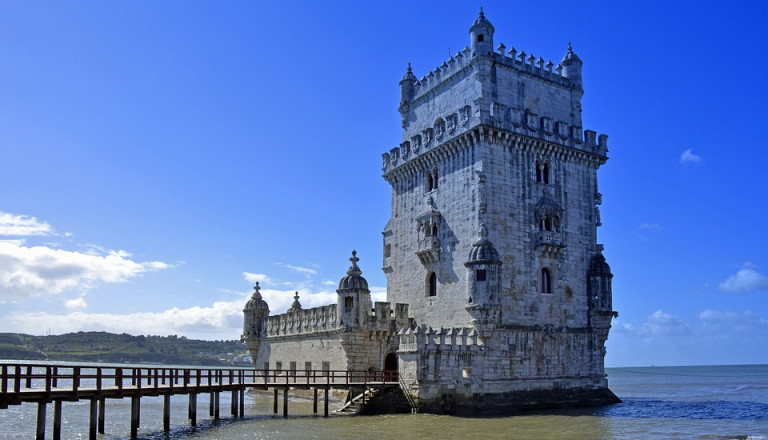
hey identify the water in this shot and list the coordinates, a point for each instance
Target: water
(722, 402)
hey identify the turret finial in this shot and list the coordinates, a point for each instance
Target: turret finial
(353, 269)
(256, 293)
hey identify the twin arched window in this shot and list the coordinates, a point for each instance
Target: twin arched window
(543, 170)
(431, 183)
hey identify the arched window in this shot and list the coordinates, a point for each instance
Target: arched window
(542, 171)
(434, 229)
(546, 281)
(480, 275)
(434, 177)
(538, 171)
(432, 284)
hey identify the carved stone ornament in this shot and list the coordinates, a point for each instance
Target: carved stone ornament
(531, 121)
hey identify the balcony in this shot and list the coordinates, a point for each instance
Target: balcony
(549, 242)
(428, 250)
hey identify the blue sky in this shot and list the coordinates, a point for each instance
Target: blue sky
(157, 158)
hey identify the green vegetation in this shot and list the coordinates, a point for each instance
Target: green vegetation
(110, 347)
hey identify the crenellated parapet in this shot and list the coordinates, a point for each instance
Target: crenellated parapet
(317, 319)
(591, 148)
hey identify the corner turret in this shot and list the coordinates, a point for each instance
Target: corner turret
(407, 91)
(481, 35)
(256, 312)
(571, 66)
(354, 298)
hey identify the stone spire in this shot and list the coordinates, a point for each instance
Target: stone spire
(296, 304)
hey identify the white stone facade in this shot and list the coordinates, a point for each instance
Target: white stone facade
(491, 246)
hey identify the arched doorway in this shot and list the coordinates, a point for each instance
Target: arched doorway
(390, 367)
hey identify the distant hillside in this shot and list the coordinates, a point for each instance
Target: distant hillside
(110, 347)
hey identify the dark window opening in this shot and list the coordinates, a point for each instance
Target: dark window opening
(480, 275)
(480, 38)
(348, 301)
(432, 285)
(546, 281)
(546, 172)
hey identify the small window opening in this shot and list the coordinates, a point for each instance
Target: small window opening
(387, 250)
(546, 172)
(348, 302)
(434, 229)
(326, 366)
(548, 224)
(480, 275)
(278, 367)
(480, 38)
(434, 173)
(546, 281)
(432, 285)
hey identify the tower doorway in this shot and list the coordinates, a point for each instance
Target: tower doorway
(390, 367)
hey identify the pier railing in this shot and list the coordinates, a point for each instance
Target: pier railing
(38, 382)
(57, 383)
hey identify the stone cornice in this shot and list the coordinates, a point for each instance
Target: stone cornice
(494, 136)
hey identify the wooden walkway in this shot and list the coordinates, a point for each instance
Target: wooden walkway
(43, 384)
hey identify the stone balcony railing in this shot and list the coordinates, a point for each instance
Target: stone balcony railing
(428, 250)
(550, 238)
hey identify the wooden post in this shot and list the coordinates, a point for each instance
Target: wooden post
(325, 402)
(285, 402)
(40, 421)
(216, 406)
(57, 420)
(193, 409)
(233, 404)
(135, 415)
(212, 406)
(166, 411)
(274, 406)
(93, 419)
(314, 400)
(242, 402)
(102, 408)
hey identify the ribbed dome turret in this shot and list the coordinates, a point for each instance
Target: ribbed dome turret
(353, 280)
(598, 267)
(482, 249)
(256, 304)
(570, 57)
(482, 23)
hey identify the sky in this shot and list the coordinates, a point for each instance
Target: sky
(158, 158)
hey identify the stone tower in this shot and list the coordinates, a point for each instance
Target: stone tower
(492, 240)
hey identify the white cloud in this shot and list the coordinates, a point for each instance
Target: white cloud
(28, 271)
(76, 303)
(745, 280)
(221, 320)
(254, 277)
(662, 323)
(300, 269)
(22, 225)
(715, 320)
(687, 156)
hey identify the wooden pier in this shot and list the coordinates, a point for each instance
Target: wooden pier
(51, 383)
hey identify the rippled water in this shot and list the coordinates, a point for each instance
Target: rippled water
(724, 402)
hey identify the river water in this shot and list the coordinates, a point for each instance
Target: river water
(720, 402)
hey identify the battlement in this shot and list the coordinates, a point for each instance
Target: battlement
(321, 319)
(530, 125)
(316, 319)
(524, 63)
